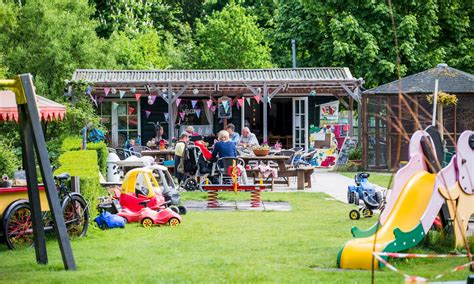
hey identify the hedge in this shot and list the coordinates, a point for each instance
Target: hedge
(84, 165)
(9, 160)
(75, 143)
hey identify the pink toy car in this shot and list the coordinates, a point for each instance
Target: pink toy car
(149, 217)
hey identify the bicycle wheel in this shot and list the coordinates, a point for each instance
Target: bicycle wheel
(76, 215)
(18, 227)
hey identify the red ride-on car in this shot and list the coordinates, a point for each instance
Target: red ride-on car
(140, 202)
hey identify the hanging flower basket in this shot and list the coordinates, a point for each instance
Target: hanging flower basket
(444, 99)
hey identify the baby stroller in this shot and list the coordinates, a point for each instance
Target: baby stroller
(371, 197)
(169, 191)
(195, 167)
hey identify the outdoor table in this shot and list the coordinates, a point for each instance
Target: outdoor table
(128, 165)
(167, 154)
(280, 160)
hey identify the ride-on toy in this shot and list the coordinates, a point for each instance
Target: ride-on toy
(107, 220)
(372, 198)
(140, 202)
(168, 188)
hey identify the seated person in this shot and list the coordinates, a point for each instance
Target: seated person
(234, 136)
(224, 147)
(159, 135)
(248, 139)
(201, 144)
(190, 131)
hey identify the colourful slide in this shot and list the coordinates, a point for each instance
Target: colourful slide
(401, 230)
(415, 201)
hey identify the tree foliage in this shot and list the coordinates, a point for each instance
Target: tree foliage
(360, 35)
(230, 39)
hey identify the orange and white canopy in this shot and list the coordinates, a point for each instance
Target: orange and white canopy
(48, 109)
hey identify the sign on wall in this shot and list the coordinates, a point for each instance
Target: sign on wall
(225, 107)
(329, 112)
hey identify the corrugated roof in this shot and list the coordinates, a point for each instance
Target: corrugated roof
(450, 80)
(214, 76)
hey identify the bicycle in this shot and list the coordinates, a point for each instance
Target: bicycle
(17, 228)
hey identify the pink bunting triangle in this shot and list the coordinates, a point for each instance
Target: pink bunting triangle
(209, 104)
(101, 99)
(248, 100)
(178, 101)
(130, 110)
(240, 101)
(198, 112)
(213, 108)
(106, 91)
(153, 98)
(257, 98)
(193, 103)
(137, 96)
(147, 113)
(182, 114)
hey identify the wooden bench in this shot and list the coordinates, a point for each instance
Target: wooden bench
(302, 174)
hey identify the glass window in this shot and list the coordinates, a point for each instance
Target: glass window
(192, 116)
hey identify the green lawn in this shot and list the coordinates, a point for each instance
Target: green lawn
(296, 246)
(381, 179)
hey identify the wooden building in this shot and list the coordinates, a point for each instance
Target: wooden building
(383, 108)
(277, 104)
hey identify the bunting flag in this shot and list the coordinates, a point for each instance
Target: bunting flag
(153, 98)
(257, 98)
(198, 112)
(193, 103)
(209, 104)
(133, 90)
(122, 93)
(137, 96)
(147, 113)
(248, 100)
(240, 101)
(225, 105)
(101, 99)
(238, 107)
(113, 91)
(130, 110)
(182, 114)
(178, 101)
(213, 108)
(106, 91)
(89, 89)
(167, 116)
(115, 106)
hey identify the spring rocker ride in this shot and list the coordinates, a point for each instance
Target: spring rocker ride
(421, 192)
(33, 142)
(213, 190)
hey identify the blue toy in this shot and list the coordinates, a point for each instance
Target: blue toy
(107, 220)
(371, 197)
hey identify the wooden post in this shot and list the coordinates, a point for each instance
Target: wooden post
(46, 172)
(28, 156)
(351, 123)
(365, 137)
(265, 113)
(170, 119)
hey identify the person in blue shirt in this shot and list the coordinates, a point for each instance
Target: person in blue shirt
(224, 147)
(233, 136)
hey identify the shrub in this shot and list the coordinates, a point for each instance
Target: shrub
(84, 165)
(75, 143)
(9, 160)
(355, 154)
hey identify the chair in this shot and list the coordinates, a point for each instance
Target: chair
(289, 153)
(224, 163)
(122, 153)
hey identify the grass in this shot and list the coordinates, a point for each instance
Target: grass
(380, 179)
(297, 246)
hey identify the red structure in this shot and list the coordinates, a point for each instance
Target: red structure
(213, 192)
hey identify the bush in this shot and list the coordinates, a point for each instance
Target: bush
(355, 154)
(75, 143)
(9, 160)
(84, 165)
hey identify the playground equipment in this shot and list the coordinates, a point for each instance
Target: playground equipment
(419, 193)
(107, 220)
(372, 198)
(213, 190)
(32, 141)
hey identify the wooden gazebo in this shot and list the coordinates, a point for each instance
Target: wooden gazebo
(382, 108)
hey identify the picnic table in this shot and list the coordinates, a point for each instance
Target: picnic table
(167, 154)
(302, 174)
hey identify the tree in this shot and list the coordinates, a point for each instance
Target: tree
(360, 35)
(51, 39)
(230, 39)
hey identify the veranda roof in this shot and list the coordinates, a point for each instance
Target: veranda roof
(450, 80)
(48, 109)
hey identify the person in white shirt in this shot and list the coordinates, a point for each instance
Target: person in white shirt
(248, 139)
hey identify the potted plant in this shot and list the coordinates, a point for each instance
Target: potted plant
(261, 150)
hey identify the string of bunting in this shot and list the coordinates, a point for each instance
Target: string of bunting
(413, 278)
